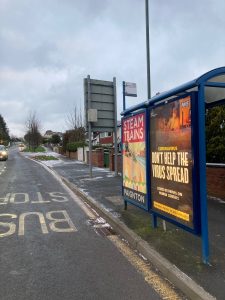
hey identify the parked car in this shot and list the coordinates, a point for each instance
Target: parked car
(3, 153)
(21, 147)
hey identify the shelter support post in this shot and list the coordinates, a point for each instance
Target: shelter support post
(154, 221)
(202, 175)
(125, 205)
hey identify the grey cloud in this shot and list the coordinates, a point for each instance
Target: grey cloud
(46, 55)
(48, 47)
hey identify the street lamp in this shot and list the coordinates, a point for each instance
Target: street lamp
(147, 49)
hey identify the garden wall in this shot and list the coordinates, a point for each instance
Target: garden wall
(216, 180)
(97, 157)
(71, 154)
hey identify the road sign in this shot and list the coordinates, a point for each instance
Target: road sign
(103, 99)
(100, 111)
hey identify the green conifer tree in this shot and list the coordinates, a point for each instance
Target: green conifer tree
(215, 134)
(4, 132)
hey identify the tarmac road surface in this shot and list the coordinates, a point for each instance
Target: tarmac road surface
(51, 247)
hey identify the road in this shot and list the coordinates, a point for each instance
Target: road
(53, 247)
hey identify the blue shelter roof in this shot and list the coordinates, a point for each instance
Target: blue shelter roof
(213, 81)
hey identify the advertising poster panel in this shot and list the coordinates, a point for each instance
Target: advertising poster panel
(172, 161)
(134, 159)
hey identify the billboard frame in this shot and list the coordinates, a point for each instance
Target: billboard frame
(126, 199)
(195, 156)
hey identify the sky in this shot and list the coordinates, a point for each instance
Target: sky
(47, 48)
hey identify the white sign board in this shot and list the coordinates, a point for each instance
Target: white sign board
(92, 115)
(130, 89)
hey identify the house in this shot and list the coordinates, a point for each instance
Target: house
(49, 133)
(106, 138)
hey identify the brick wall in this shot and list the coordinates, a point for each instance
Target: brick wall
(71, 154)
(97, 158)
(112, 161)
(216, 181)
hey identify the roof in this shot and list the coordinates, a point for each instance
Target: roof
(212, 81)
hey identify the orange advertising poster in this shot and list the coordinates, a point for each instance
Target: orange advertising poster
(172, 160)
(134, 158)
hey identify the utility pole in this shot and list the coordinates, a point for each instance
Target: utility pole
(147, 49)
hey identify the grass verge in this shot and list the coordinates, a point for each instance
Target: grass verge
(37, 149)
(44, 157)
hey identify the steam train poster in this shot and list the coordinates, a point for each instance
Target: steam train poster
(134, 159)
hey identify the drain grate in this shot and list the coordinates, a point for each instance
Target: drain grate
(105, 231)
(101, 227)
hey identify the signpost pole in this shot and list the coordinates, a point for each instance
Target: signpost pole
(124, 97)
(202, 175)
(89, 125)
(115, 128)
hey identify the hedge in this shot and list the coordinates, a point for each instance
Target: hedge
(72, 147)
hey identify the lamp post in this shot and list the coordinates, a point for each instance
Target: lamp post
(147, 49)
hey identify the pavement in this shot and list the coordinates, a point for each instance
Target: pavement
(173, 251)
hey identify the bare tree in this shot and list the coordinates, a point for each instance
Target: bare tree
(74, 119)
(33, 136)
(75, 123)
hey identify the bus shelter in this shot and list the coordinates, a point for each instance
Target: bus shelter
(164, 153)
